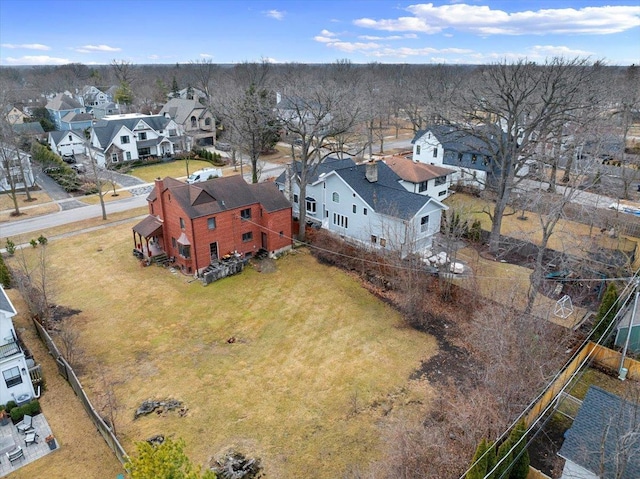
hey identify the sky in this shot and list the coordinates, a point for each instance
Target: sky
(56, 32)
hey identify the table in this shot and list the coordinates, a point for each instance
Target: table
(6, 444)
(30, 438)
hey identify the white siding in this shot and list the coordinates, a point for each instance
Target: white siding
(424, 147)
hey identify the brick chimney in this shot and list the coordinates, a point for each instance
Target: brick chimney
(371, 172)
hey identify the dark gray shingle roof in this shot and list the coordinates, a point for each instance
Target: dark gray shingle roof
(105, 130)
(5, 303)
(33, 128)
(456, 139)
(594, 439)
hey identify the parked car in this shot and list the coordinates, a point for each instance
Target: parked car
(71, 159)
(79, 168)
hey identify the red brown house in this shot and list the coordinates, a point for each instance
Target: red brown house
(196, 224)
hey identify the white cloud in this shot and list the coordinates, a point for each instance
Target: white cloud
(153, 57)
(483, 20)
(97, 48)
(389, 37)
(26, 46)
(558, 51)
(206, 55)
(277, 14)
(37, 60)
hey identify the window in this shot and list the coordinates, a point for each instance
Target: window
(207, 121)
(435, 152)
(354, 208)
(417, 149)
(142, 135)
(335, 197)
(128, 156)
(181, 223)
(174, 243)
(365, 212)
(441, 180)
(383, 242)
(114, 157)
(295, 198)
(211, 223)
(459, 157)
(213, 251)
(245, 214)
(424, 223)
(442, 193)
(485, 160)
(247, 236)
(281, 234)
(184, 250)
(12, 377)
(194, 122)
(340, 220)
(422, 186)
(311, 206)
(70, 138)
(172, 132)
(124, 139)
(374, 239)
(144, 152)
(474, 158)
(429, 135)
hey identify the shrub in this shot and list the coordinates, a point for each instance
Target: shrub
(11, 247)
(32, 408)
(42, 240)
(9, 406)
(5, 274)
(33, 243)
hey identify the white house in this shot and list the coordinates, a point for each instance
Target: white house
(10, 161)
(420, 177)
(91, 96)
(133, 136)
(365, 203)
(196, 120)
(67, 142)
(16, 382)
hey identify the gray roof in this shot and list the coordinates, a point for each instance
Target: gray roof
(71, 117)
(62, 102)
(595, 439)
(33, 128)
(222, 194)
(105, 130)
(181, 109)
(58, 135)
(5, 303)
(329, 164)
(459, 140)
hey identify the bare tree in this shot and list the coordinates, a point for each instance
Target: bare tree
(516, 105)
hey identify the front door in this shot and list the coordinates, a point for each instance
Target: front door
(264, 241)
(213, 251)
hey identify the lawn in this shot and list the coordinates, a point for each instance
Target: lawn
(40, 205)
(175, 169)
(316, 366)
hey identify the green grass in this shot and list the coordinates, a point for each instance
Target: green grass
(598, 378)
(316, 363)
(175, 169)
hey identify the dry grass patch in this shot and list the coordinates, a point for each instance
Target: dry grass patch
(29, 212)
(316, 367)
(174, 169)
(39, 197)
(107, 196)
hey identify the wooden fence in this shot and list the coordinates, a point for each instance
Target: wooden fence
(65, 369)
(610, 359)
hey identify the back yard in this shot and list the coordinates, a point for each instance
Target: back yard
(301, 367)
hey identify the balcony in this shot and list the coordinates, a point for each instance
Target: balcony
(9, 349)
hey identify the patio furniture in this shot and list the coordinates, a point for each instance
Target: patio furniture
(31, 438)
(16, 454)
(25, 425)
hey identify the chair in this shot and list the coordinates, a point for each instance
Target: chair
(31, 438)
(16, 454)
(25, 425)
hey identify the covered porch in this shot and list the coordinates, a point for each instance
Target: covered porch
(147, 238)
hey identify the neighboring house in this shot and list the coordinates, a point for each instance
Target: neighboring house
(472, 157)
(202, 222)
(30, 130)
(62, 105)
(196, 119)
(16, 384)
(421, 178)
(76, 121)
(134, 136)
(188, 94)
(100, 111)
(67, 142)
(367, 204)
(623, 330)
(15, 116)
(603, 440)
(10, 161)
(91, 96)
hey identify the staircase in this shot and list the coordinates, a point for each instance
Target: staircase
(161, 259)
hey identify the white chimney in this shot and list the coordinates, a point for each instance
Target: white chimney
(372, 171)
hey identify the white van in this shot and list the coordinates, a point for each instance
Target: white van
(204, 175)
